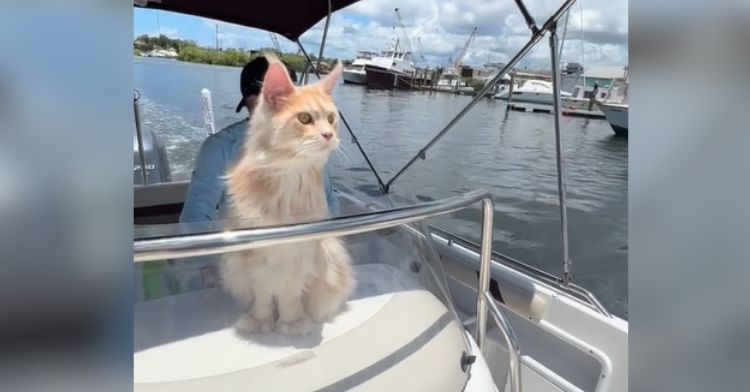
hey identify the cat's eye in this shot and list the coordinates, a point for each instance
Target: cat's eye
(331, 118)
(304, 118)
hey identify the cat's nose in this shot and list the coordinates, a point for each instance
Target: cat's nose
(327, 135)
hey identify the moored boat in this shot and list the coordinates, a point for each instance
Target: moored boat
(355, 72)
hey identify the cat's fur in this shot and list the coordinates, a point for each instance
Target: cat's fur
(278, 180)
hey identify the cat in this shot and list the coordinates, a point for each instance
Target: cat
(278, 180)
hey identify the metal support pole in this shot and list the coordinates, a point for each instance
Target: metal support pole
(567, 274)
(527, 16)
(535, 38)
(139, 134)
(514, 351)
(485, 259)
(323, 40)
(383, 188)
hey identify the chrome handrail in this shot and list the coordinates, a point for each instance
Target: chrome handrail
(203, 244)
(223, 241)
(573, 290)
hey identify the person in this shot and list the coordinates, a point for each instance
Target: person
(206, 195)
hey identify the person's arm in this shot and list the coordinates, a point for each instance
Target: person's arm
(206, 184)
(333, 202)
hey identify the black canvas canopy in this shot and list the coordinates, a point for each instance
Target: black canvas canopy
(289, 18)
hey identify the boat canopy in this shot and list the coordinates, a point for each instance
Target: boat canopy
(290, 18)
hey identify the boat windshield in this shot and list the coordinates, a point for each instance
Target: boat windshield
(184, 322)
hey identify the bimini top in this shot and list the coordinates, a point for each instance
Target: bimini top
(289, 18)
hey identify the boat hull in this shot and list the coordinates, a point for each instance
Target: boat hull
(355, 77)
(382, 78)
(581, 107)
(617, 115)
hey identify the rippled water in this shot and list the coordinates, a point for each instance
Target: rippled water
(511, 154)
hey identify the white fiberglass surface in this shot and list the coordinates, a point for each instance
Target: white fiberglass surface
(191, 335)
(184, 319)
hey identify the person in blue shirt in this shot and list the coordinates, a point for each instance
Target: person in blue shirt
(207, 195)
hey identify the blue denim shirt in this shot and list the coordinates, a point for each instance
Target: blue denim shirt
(207, 195)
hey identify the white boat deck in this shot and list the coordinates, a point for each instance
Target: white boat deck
(391, 328)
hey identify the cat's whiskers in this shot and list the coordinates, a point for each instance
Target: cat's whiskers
(341, 153)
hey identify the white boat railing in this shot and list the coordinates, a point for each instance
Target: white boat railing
(191, 245)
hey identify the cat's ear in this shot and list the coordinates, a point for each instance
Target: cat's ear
(329, 82)
(277, 86)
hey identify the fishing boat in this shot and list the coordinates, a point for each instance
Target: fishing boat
(432, 310)
(394, 69)
(355, 72)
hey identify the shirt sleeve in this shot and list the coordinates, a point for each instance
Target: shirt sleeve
(206, 183)
(333, 202)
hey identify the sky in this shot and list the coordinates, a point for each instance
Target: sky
(441, 26)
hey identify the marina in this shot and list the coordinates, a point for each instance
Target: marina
(438, 283)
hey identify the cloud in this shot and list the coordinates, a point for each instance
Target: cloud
(439, 29)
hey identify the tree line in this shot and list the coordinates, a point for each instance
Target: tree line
(190, 51)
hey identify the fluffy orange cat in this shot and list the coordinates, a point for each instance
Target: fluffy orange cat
(277, 180)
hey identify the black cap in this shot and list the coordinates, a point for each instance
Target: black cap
(251, 79)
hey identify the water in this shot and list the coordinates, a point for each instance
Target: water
(510, 154)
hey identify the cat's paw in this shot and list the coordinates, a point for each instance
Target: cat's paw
(248, 324)
(300, 327)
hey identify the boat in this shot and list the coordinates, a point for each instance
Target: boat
(582, 102)
(355, 72)
(617, 115)
(538, 92)
(450, 81)
(433, 311)
(615, 105)
(394, 69)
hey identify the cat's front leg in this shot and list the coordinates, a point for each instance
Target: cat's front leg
(260, 318)
(293, 320)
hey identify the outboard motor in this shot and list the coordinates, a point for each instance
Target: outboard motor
(150, 151)
(155, 158)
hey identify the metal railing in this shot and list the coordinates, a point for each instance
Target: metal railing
(192, 245)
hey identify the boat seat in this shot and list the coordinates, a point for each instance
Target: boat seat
(391, 333)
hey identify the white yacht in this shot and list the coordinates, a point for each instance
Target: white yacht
(615, 105)
(533, 91)
(617, 115)
(355, 72)
(432, 311)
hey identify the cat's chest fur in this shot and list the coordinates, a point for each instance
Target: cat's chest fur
(261, 199)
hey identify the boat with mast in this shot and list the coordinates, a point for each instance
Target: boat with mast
(450, 79)
(395, 68)
(432, 310)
